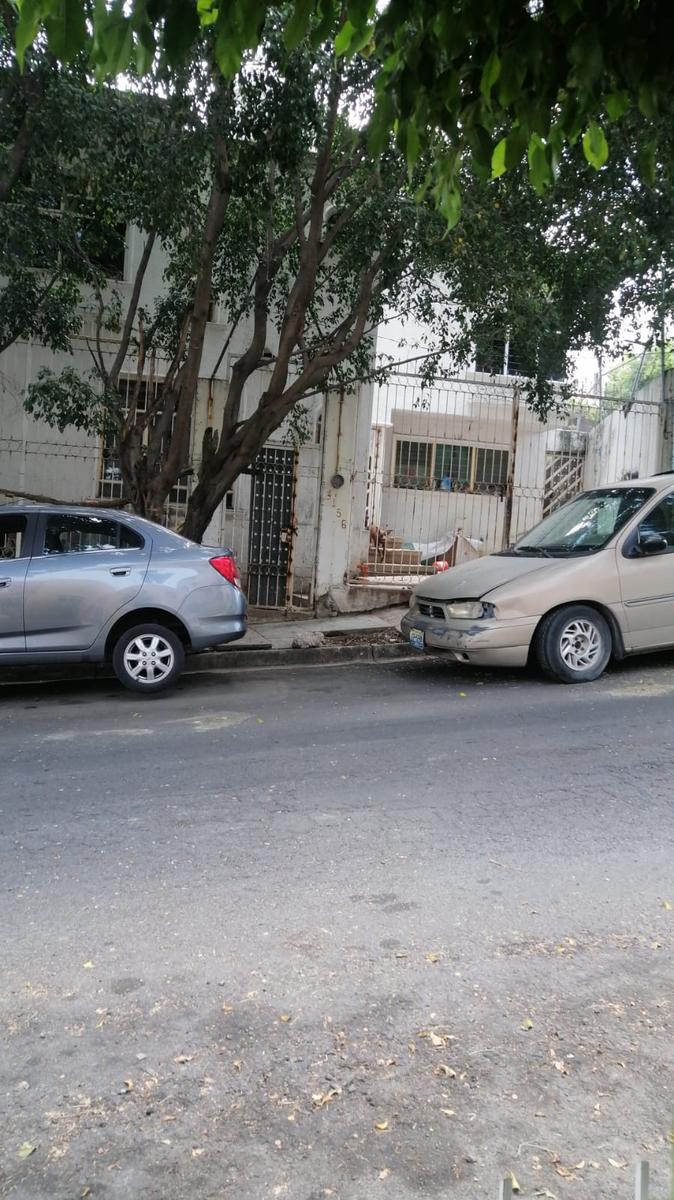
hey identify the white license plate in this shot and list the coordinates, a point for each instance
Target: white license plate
(417, 639)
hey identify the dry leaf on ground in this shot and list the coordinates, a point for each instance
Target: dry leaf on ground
(381, 1126)
(320, 1099)
(26, 1149)
(527, 1024)
(183, 1058)
(449, 1112)
(432, 957)
(443, 1069)
(617, 1163)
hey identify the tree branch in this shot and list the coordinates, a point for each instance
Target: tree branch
(32, 90)
(39, 499)
(127, 329)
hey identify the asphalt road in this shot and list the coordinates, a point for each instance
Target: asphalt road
(375, 931)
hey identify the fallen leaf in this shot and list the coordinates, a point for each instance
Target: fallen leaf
(579, 1166)
(381, 1126)
(237, 1064)
(166, 1142)
(560, 1066)
(285, 1017)
(617, 1163)
(128, 1087)
(513, 1182)
(462, 694)
(401, 954)
(561, 1170)
(320, 1099)
(667, 905)
(546, 1193)
(197, 1152)
(88, 966)
(86, 1191)
(432, 957)
(184, 1058)
(26, 1149)
(227, 1008)
(385, 1173)
(443, 1069)
(449, 1112)
(141, 1057)
(437, 1040)
(527, 1024)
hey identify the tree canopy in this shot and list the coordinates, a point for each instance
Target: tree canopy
(268, 206)
(496, 82)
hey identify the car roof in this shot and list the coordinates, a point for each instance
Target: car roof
(88, 510)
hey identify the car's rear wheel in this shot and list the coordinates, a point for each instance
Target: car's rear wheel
(148, 658)
(574, 644)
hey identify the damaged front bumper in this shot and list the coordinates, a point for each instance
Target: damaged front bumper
(487, 641)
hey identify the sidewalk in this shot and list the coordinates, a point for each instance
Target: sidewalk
(283, 635)
(359, 637)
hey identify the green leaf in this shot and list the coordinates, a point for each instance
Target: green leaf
(181, 30)
(343, 39)
(380, 125)
(145, 48)
(66, 29)
(540, 171)
(617, 103)
(595, 146)
(490, 73)
(449, 204)
(208, 12)
(648, 101)
(498, 159)
(298, 25)
(27, 26)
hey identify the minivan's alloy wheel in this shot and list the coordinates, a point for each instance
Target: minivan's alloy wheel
(148, 658)
(574, 644)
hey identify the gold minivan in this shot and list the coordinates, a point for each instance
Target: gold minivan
(594, 580)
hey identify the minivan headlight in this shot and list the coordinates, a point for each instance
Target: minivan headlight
(467, 609)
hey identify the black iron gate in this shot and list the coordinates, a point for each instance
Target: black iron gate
(271, 528)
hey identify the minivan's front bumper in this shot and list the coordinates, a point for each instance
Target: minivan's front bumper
(487, 642)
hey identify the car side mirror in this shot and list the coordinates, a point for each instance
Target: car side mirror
(654, 544)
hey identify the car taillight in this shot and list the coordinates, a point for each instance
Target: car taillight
(225, 564)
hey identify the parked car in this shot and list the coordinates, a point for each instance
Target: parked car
(92, 585)
(594, 580)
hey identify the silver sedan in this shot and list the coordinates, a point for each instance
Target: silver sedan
(93, 585)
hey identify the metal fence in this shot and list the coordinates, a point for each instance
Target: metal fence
(465, 467)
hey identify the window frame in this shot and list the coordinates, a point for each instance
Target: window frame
(470, 484)
(39, 546)
(26, 538)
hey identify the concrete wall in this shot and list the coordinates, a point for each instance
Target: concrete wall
(623, 446)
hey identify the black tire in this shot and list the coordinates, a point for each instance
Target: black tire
(156, 672)
(556, 647)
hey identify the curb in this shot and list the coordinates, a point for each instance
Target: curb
(226, 660)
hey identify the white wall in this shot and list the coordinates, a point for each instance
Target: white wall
(625, 445)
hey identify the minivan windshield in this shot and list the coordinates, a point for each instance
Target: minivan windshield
(585, 524)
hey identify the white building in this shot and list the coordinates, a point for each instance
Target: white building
(298, 524)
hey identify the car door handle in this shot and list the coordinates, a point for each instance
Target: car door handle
(5, 582)
(120, 570)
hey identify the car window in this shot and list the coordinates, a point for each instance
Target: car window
(660, 522)
(66, 534)
(585, 524)
(12, 536)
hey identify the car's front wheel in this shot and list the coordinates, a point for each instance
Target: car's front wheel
(148, 658)
(574, 644)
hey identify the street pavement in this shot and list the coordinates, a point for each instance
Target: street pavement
(391, 930)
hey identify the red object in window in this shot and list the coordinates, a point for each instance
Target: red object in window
(225, 565)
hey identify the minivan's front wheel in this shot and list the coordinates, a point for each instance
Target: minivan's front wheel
(148, 658)
(574, 644)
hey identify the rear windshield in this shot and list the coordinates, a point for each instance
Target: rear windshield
(585, 524)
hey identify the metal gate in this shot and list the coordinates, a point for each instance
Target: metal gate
(272, 528)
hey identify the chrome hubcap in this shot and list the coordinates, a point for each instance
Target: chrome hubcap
(148, 658)
(580, 645)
